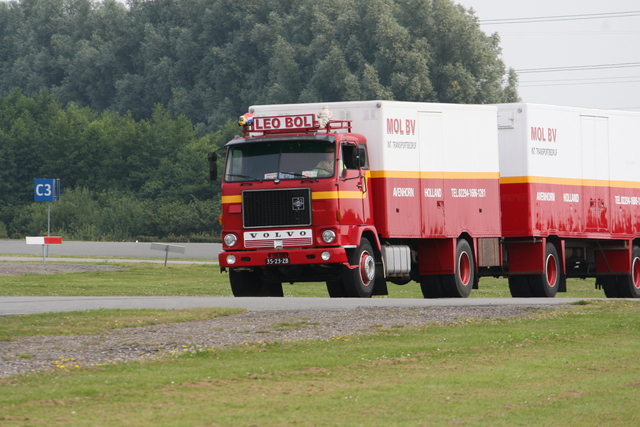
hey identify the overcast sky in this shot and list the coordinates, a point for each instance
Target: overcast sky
(609, 42)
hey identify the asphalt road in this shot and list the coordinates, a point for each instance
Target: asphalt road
(207, 251)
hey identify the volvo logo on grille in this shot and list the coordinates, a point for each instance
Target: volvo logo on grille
(297, 203)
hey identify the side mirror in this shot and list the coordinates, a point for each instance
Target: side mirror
(213, 166)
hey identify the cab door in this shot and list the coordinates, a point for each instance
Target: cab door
(353, 200)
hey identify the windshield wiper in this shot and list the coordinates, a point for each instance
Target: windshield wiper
(244, 176)
(298, 175)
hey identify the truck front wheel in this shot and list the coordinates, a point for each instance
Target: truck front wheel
(336, 289)
(246, 283)
(358, 282)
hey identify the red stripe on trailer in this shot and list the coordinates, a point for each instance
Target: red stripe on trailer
(569, 211)
(413, 207)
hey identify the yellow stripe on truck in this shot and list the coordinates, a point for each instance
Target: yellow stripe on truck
(435, 175)
(316, 195)
(232, 199)
(568, 181)
(323, 195)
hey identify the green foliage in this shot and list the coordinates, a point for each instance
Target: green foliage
(123, 103)
(136, 279)
(114, 215)
(210, 59)
(116, 173)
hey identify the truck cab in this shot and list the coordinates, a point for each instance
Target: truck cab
(296, 207)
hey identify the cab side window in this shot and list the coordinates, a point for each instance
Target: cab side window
(350, 154)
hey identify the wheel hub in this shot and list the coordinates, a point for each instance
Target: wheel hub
(367, 268)
(552, 271)
(464, 268)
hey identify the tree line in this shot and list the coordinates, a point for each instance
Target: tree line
(210, 59)
(123, 101)
(121, 178)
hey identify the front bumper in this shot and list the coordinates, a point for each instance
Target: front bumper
(298, 256)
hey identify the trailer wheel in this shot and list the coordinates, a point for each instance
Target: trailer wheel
(634, 279)
(610, 286)
(546, 284)
(459, 284)
(359, 281)
(245, 283)
(628, 286)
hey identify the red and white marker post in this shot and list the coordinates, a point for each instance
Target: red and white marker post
(44, 241)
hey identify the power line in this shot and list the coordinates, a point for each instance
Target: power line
(583, 79)
(551, 83)
(578, 68)
(569, 33)
(560, 18)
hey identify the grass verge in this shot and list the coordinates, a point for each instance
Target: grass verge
(98, 321)
(206, 280)
(574, 366)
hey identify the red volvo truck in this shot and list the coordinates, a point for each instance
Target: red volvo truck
(360, 194)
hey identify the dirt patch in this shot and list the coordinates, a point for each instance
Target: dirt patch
(17, 268)
(30, 354)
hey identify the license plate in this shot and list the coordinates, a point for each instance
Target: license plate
(277, 261)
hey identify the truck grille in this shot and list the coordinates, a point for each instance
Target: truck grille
(276, 208)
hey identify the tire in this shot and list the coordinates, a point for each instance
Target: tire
(459, 284)
(250, 284)
(628, 286)
(520, 287)
(336, 289)
(432, 287)
(244, 283)
(358, 282)
(610, 286)
(272, 289)
(546, 284)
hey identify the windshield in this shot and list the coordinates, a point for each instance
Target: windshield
(280, 160)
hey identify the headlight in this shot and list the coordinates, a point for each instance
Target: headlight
(231, 259)
(328, 236)
(325, 256)
(230, 240)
